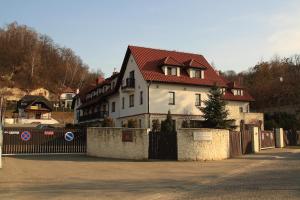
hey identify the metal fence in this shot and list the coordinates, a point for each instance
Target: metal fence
(43, 141)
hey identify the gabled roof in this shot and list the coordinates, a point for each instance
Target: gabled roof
(68, 90)
(171, 61)
(149, 62)
(195, 64)
(28, 100)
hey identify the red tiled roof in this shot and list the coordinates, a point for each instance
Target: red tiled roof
(246, 96)
(195, 64)
(149, 61)
(171, 61)
(68, 90)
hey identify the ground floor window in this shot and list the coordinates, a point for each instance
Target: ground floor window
(196, 124)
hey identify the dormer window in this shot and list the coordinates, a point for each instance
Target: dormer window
(237, 92)
(171, 71)
(223, 90)
(196, 73)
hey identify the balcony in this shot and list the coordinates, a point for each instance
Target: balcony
(93, 116)
(129, 85)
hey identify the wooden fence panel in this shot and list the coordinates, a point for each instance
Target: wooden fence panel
(267, 139)
(235, 143)
(246, 141)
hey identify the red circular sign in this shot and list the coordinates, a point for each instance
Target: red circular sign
(25, 136)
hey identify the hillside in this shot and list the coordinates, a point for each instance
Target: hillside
(273, 83)
(29, 60)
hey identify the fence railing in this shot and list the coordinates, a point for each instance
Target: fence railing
(40, 141)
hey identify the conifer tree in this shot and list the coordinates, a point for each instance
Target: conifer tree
(214, 112)
(167, 126)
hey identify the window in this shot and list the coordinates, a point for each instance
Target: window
(197, 73)
(241, 109)
(131, 100)
(169, 70)
(223, 90)
(113, 106)
(174, 71)
(197, 99)
(238, 92)
(140, 123)
(196, 124)
(171, 98)
(131, 74)
(123, 102)
(141, 97)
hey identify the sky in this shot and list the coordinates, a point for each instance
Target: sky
(233, 34)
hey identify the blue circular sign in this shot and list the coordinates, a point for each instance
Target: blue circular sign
(25, 136)
(69, 136)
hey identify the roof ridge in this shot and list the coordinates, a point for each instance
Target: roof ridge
(158, 49)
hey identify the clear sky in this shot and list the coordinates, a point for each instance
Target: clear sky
(234, 34)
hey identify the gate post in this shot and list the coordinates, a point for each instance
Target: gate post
(279, 141)
(1, 141)
(255, 139)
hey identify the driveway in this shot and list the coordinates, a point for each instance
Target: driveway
(271, 174)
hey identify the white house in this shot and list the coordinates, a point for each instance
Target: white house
(66, 98)
(151, 82)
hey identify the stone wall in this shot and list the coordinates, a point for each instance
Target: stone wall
(203, 144)
(118, 143)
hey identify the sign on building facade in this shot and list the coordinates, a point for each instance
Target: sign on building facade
(202, 136)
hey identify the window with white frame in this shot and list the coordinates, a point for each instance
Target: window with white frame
(197, 73)
(131, 100)
(172, 71)
(141, 97)
(171, 98)
(197, 99)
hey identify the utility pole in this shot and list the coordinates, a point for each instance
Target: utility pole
(1, 127)
(2, 111)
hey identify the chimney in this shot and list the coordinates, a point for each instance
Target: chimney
(115, 71)
(100, 79)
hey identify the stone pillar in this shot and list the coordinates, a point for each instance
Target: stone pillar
(255, 139)
(279, 138)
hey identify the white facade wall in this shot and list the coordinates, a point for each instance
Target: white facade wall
(233, 108)
(140, 85)
(115, 98)
(184, 98)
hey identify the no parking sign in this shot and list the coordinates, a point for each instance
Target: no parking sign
(25, 136)
(69, 136)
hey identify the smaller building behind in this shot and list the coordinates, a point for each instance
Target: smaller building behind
(32, 109)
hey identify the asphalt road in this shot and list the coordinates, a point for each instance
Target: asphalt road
(271, 174)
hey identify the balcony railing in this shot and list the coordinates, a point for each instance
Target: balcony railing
(93, 116)
(129, 84)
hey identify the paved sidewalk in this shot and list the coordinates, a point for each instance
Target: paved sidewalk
(271, 174)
